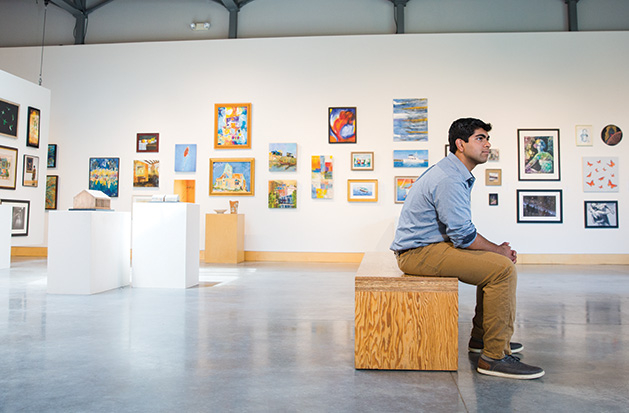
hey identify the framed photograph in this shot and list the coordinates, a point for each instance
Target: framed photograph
(410, 120)
(146, 173)
(342, 125)
(540, 206)
(104, 175)
(282, 194)
(234, 176)
(362, 161)
(322, 177)
(8, 167)
(402, 185)
(232, 126)
(52, 188)
(186, 158)
(31, 170)
(51, 161)
(538, 155)
(601, 214)
(147, 142)
(493, 199)
(611, 135)
(494, 155)
(9, 112)
(493, 177)
(583, 135)
(362, 190)
(19, 216)
(32, 130)
(416, 158)
(282, 157)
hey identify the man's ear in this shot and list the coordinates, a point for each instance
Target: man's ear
(459, 144)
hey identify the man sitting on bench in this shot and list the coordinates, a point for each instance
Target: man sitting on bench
(436, 237)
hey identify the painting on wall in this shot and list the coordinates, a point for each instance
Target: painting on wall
(362, 190)
(51, 161)
(232, 126)
(362, 161)
(282, 157)
(583, 135)
(32, 132)
(322, 186)
(52, 189)
(147, 142)
(601, 214)
(20, 215)
(410, 120)
(493, 199)
(234, 176)
(31, 171)
(416, 158)
(9, 112)
(146, 173)
(104, 175)
(538, 155)
(600, 174)
(186, 158)
(185, 188)
(611, 135)
(493, 177)
(494, 155)
(342, 125)
(282, 194)
(540, 206)
(8, 167)
(402, 186)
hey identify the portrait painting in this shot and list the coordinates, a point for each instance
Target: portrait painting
(583, 135)
(538, 155)
(611, 135)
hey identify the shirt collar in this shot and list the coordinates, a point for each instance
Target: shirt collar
(462, 170)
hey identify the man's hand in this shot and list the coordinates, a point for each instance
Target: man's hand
(481, 243)
(505, 249)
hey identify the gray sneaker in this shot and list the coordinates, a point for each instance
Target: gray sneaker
(509, 366)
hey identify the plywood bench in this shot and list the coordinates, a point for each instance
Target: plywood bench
(404, 322)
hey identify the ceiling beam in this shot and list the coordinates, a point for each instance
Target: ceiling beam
(573, 24)
(398, 6)
(80, 11)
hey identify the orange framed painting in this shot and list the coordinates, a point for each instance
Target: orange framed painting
(233, 176)
(232, 126)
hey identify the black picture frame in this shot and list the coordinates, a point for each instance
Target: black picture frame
(539, 206)
(20, 216)
(9, 117)
(51, 160)
(539, 155)
(342, 125)
(600, 214)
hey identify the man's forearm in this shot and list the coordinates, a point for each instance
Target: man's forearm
(483, 244)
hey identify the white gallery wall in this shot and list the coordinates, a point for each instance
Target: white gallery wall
(103, 95)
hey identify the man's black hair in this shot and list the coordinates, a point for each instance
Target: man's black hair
(464, 128)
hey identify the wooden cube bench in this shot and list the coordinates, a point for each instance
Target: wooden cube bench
(404, 322)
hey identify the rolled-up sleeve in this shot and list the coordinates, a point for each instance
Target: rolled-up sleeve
(452, 202)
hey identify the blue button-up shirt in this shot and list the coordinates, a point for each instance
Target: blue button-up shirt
(437, 208)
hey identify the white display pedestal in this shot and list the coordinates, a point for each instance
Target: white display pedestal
(88, 251)
(5, 236)
(165, 245)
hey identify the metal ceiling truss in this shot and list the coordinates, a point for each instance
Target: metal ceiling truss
(80, 11)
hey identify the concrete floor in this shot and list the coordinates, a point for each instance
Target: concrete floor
(278, 337)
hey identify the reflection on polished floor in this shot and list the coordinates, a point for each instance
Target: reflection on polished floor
(278, 337)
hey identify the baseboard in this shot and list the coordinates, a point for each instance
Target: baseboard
(338, 257)
(574, 259)
(41, 252)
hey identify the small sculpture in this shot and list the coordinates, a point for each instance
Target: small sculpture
(233, 207)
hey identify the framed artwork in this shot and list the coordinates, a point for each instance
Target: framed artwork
(51, 161)
(186, 158)
(342, 125)
(322, 182)
(362, 161)
(494, 155)
(417, 158)
(611, 135)
(104, 175)
(538, 155)
(540, 206)
(232, 126)
(9, 112)
(583, 135)
(185, 188)
(601, 214)
(410, 120)
(282, 194)
(52, 188)
(147, 142)
(493, 177)
(19, 216)
(234, 176)
(282, 157)
(31, 170)
(493, 199)
(8, 167)
(402, 186)
(600, 174)
(362, 190)
(146, 173)
(32, 130)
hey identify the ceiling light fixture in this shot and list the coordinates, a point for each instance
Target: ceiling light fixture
(202, 26)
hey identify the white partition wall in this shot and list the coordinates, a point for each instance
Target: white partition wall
(5, 236)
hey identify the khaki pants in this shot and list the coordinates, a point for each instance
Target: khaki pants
(494, 276)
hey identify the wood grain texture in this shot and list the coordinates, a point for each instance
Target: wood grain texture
(224, 238)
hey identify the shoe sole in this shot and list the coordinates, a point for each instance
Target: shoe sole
(511, 376)
(480, 350)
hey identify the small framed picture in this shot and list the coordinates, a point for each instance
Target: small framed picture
(8, 119)
(362, 161)
(538, 155)
(583, 135)
(32, 133)
(494, 155)
(8, 167)
(611, 135)
(31, 171)
(540, 206)
(19, 216)
(51, 161)
(414, 158)
(362, 190)
(233, 176)
(104, 175)
(493, 199)
(232, 126)
(493, 177)
(402, 185)
(52, 188)
(342, 125)
(147, 142)
(601, 214)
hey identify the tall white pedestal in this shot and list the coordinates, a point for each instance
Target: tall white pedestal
(5, 236)
(165, 245)
(88, 251)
